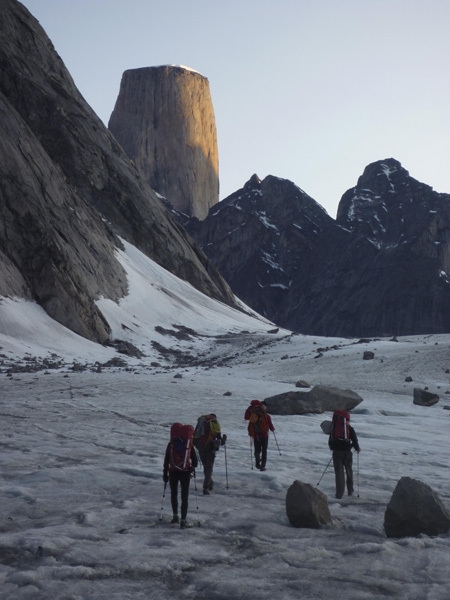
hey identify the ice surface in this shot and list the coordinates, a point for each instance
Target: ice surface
(81, 493)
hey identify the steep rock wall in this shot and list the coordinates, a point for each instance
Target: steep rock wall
(164, 120)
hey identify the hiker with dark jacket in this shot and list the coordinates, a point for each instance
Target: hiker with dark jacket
(208, 439)
(259, 426)
(341, 445)
(175, 472)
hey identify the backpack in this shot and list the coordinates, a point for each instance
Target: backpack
(207, 430)
(340, 426)
(258, 419)
(181, 439)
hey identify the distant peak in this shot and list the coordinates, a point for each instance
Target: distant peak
(253, 182)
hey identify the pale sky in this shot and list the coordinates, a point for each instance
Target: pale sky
(308, 90)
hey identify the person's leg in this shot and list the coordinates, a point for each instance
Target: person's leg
(173, 483)
(264, 444)
(185, 479)
(258, 448)
(208, 464)
(348, 464)
(339, 473)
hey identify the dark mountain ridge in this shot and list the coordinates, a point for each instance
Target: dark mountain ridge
(380, 268)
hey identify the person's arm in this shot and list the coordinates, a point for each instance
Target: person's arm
(354, 440)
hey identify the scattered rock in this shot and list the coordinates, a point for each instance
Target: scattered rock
(408, 379)
(126, 348)
(227, 394)
(368, 355)
(306, 506)
(284, 357)
(178, 376)
(115, 362)
(274, 330)
(302, 384)
(415, 508)
(318, 400)
(425, 398)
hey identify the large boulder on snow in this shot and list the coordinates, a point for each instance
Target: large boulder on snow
(424, 398)
(415, 508)
(318, 400)
(306, 506)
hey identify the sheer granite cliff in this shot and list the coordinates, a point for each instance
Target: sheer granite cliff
(164, 120)
(68, 192)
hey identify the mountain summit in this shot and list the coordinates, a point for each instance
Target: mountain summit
(381, 268)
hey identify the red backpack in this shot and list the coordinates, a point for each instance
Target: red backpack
(258, 418)
(181, 439)
(340, 426)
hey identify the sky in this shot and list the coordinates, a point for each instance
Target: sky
(308, 90)
(84, 514)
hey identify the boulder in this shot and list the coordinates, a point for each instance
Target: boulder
(424, 398)
(318, 400)
(415, 508)
(306, 506)
(368, 355)
(302, 384)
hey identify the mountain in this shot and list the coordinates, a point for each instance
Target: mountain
(261, 238)
(381, 268)
(164, 120)
(69, 194)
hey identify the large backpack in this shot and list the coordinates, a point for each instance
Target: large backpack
(207, 430)
(340, 426)
(181, 440)
(258, 419)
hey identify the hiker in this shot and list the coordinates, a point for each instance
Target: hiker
(258, 429)
(208, 439)
(180, 462)
(341, 441)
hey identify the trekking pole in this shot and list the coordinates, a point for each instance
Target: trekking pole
(162, 501)
(251, 452)
(325, 470)
(276, 442)
(357, 471)
(196, 498)
(226, 464)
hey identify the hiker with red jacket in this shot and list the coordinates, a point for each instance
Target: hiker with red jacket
(341, 441)
(180, 462)
(259, 426)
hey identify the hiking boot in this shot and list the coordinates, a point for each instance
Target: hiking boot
(262, 468)
(175, 519)
(258, 464)
(206, 491)
(211, 485)
(184, 524)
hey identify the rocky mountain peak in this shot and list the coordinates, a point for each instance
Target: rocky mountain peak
(69, 194)
(164, 120)
(387, 204)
